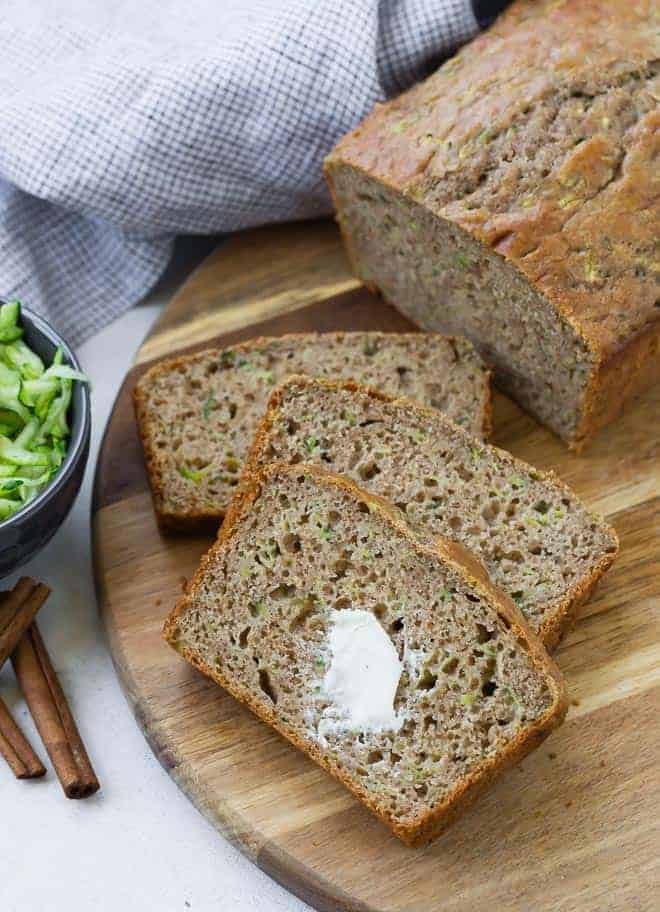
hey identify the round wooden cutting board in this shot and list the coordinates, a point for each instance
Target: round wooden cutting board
(573, 828)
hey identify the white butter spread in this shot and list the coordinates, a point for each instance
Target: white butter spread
(363, 675)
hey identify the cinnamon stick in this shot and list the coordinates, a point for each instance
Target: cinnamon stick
(18, 609)
(52, 716)
(16, 749)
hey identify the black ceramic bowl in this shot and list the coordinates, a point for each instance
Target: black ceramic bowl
(26, 532)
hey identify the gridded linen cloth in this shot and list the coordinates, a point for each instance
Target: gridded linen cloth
(123, 128)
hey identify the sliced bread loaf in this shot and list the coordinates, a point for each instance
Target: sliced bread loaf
(197, 415)
(539, 544)
(395, 665)
(511, 198)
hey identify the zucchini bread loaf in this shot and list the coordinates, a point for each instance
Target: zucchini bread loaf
(539, 544)
(406, 675)
(510, 198)
(197, 414)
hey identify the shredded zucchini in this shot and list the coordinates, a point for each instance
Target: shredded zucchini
(34, 402)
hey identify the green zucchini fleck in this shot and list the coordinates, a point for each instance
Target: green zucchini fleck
(208, 405)
(195, 475)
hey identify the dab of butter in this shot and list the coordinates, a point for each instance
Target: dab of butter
(363, 675)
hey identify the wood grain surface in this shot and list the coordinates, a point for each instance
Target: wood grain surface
(574, 828)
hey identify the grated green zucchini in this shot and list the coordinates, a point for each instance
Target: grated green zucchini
(34, 402)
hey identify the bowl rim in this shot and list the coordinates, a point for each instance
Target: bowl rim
(77, 442)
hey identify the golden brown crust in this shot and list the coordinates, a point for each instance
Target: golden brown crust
(582, 239)
(627, 372)
(204, 520)
(428, 826)
(555, 627)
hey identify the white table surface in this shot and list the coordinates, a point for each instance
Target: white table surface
(138, 844)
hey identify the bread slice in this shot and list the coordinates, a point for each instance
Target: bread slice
(469, 688)
(537, 541)
(197, 415)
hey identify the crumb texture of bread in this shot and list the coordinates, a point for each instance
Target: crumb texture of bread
(197, 414)
(476, 691)
(539, 544)
(510, 198)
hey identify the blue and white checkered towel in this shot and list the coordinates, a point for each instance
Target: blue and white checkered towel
(118, 132)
